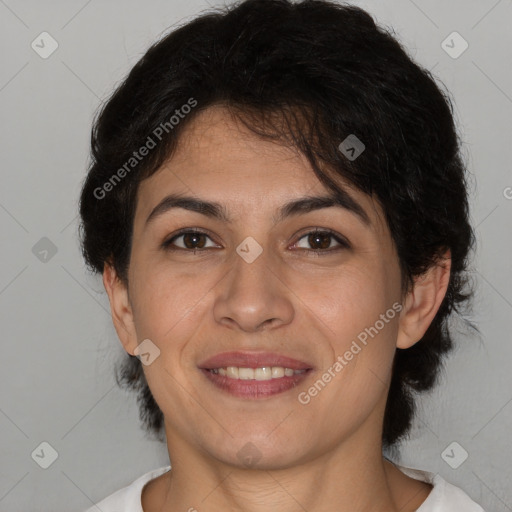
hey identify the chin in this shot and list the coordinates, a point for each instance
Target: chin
(259, 453)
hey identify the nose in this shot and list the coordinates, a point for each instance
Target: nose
(253, 296)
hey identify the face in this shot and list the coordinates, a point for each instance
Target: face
(264, 285)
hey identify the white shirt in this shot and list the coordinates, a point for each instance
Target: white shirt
(443, 497)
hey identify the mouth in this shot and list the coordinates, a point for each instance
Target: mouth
(254, 375)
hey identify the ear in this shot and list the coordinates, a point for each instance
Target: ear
(423, 302)
(120, 307)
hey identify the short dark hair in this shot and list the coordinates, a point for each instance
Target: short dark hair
(307, 74)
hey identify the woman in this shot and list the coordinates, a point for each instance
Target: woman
(278, 207)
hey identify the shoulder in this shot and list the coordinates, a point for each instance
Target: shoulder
(128, 499)
(444, 496)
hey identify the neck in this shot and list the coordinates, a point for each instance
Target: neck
(352, 478)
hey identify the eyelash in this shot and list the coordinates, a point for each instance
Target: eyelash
(343, 244)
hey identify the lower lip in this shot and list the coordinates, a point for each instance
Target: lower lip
(252, 388)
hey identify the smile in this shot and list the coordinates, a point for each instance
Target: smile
(263, 373)
(255, 383)
(253, 375)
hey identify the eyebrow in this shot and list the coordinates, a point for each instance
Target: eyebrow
(292, 208)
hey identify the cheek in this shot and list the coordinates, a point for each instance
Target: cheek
(349, 300)
(163, 301)
(356, 309)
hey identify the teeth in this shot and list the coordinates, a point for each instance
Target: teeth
(232, 371)
(263, 373)
(245, 373)
(277, 372)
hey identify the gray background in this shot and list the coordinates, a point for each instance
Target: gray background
(59, 347)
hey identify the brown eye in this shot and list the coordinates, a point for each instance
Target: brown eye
(190, 240)
(193, 240)
(321, 241)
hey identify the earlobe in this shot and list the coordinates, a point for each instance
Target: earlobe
(120, 307)
(423, 301)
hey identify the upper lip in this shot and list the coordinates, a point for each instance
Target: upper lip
(252, 360)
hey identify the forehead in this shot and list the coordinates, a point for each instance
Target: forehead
(219, 159)
(217, 144)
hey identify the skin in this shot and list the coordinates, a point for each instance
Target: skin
(194, 305)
